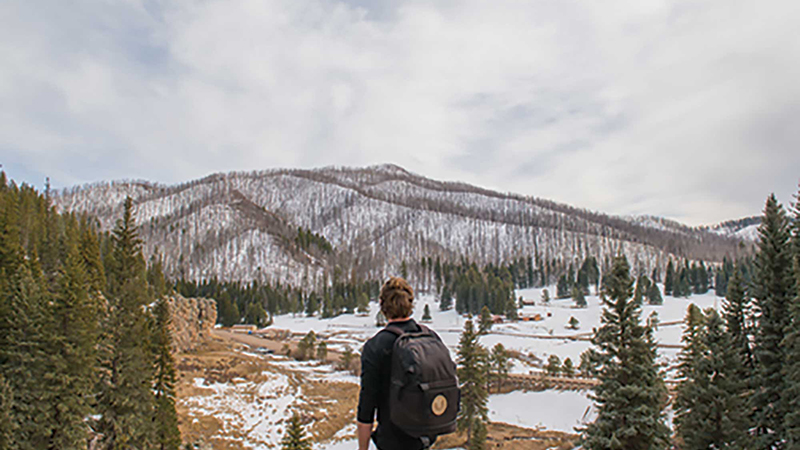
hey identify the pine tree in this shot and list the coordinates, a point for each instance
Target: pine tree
(736, 312)
(631, 396)
(553, 367)
(446, 299)
(312, 304)
(295, 436)
(568, 369)
(574, 323)
(485, 320)
(472, 360)
(772, 290)
(426, 313)
(792, 344)
(500, 364)
(709, 409)
(306, 346)
(654, 295)
(727, 425)
(562, 287)
(669, 279)
(322, 351)
(74, 358)
(545, 296)
(380, 319)
(363, 303)
(168, 437)
(691, 408)
(8, 426)
(347, 359)
(578, 297)
(127, 402)
(26, 354)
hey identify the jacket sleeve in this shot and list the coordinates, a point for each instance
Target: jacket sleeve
(368, 398)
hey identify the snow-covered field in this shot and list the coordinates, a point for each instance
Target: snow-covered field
(531, 337)
(551, 410)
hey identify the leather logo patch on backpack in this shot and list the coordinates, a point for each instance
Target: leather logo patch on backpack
(439, 405)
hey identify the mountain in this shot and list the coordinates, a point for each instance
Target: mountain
(745, 228)
(276, 225)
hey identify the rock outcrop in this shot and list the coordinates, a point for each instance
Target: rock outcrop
(192, 321)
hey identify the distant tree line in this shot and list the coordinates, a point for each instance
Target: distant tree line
(84, 332)
(257, 303)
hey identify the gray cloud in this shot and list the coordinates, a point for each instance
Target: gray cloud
(680, 108)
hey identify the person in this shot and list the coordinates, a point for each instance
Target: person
(396, 302)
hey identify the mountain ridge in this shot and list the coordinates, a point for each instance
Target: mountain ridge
(375, 217)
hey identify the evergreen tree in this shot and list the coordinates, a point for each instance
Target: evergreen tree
(312, 304)
(295, 436)
(380, 319)
(347, 359)
(545, 296)
(485, 320)
(76, 335)
(709, 409)
(727, 424)
(772, 290)
(654, 295)
(553, 367)
(472, 360)
(631, 396)
(306, 346)
(322, 351)
(363, 303)
(568, 369)
(127, 402)
(736, 312)
(669, 279)
(640, 290)
(426, 314)
(574, 323)
(792, 344)
(590, 364)
(8, 426)
(562, 288)
(578, 297)
(168, 437)
(691, 409)
(500, 364)
(26, 355)
(446, 299)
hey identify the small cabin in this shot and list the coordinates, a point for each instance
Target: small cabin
(534, 318)
(497, 319)
(528, 302)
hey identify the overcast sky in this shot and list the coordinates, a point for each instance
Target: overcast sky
(683, 109)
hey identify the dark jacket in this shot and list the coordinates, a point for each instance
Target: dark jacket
(376, 372)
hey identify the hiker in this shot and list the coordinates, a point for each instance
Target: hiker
(407, 375)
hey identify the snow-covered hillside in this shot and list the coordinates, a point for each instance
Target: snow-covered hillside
(745, 229)
(242, 226)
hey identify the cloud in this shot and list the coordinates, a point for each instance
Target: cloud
(681, 108)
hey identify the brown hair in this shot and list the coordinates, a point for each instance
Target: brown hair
(396, 298)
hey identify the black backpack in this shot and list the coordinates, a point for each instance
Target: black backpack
(424, 398)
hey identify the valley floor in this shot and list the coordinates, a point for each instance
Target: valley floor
(236, 392)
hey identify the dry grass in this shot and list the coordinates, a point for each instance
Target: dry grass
(508, 437)
(327, 408)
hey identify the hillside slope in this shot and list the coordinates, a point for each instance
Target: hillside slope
(244, 226)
